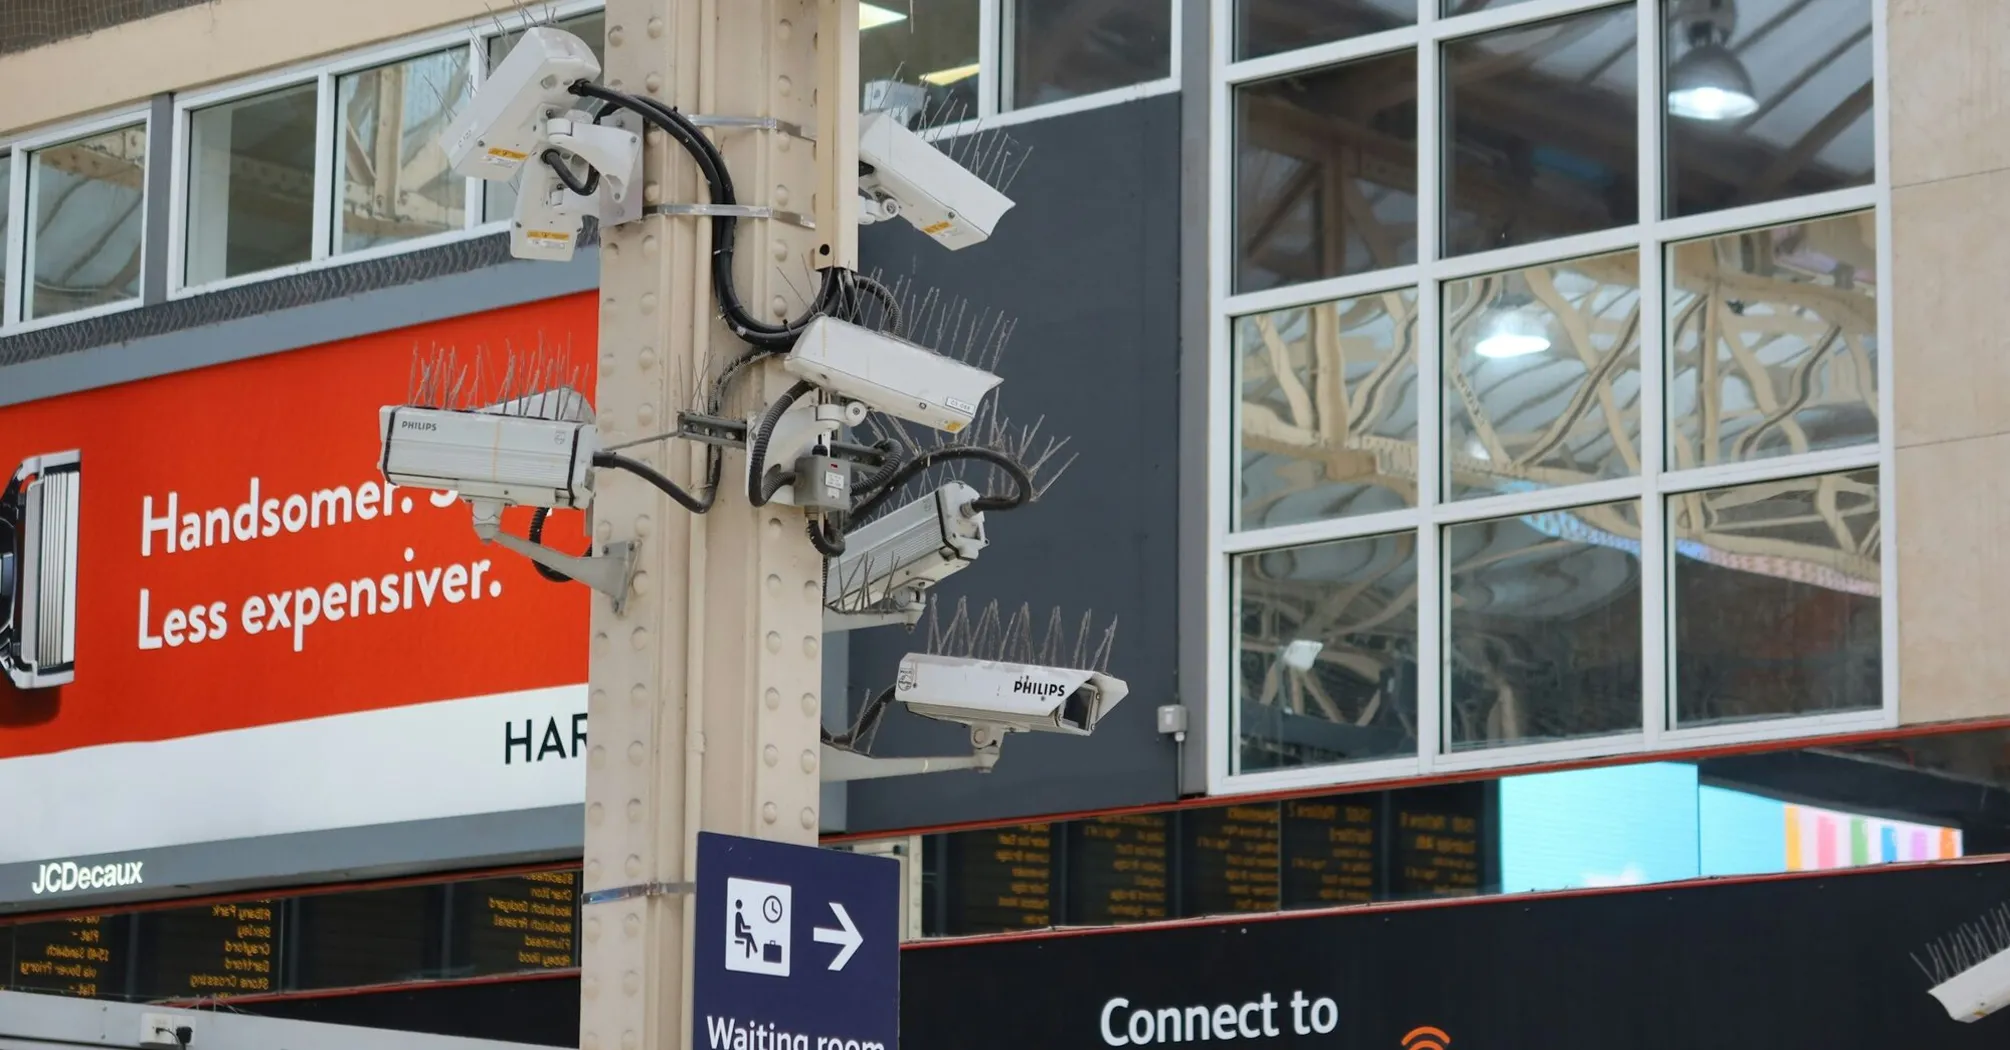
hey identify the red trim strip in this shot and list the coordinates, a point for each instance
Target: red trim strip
(1490, 773)
(228, 1001)
(1450, 902)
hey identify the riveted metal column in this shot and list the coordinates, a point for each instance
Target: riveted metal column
(704, 705)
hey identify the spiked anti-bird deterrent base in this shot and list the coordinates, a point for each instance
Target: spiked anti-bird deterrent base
(1970, 967)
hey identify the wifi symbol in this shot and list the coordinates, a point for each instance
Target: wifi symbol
(1426, 1038)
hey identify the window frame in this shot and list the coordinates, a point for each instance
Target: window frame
(1652, 237)
(19, 152)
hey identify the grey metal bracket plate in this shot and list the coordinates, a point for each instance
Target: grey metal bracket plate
(738, 211)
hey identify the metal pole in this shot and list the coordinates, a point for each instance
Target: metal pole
(704, 701)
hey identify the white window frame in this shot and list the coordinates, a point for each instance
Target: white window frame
(994, 78)
(1649, 237)
(19, 151)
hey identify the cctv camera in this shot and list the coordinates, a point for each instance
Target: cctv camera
(516, 459)
(1014, 697)
(936, 195)
(1978, 991)
(893, 559)
(889, 374)
(504, 125)
(38, 571)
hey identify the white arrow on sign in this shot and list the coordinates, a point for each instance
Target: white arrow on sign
(847, 939)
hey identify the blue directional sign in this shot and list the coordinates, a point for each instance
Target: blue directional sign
(797, 948)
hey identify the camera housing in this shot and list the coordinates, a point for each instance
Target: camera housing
(39, 510)
(935, 194)
(889, 374)
(520, 460)
(894, 559)
(503, 126)
(1978, 991)
(1012, 697)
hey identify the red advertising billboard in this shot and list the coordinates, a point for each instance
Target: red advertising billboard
(268, 636)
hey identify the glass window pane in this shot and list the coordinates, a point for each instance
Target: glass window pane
(500, 197)
(1327, 669)
(1326, 173)
(88, 200)
(6, 209)
(251, 185)
(1777, 605)
(1545, 627)
(1068, 48)
(1540, 138)
(1773, 340)
(1327, 426)
(919, 58)
(1266, 27)
(1455, 8)
(1772, 105)
(1542, 376)
(391, 175)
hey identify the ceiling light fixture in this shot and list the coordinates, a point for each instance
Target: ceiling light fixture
(1709, 82)
(872, 16)
(1512, 332)
(945, 77)
(1300, 653)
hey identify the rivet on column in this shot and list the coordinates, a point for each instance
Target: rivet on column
(774, 699)
(774, 642)
(771, 754)
(811, 706)
(769, 813)
(809, 817)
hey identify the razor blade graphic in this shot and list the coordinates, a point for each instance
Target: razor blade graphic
(38, 570)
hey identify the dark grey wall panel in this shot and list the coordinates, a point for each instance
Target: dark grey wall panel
(1088, 262)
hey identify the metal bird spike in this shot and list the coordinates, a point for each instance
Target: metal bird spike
(1967, 946)
(988, 635)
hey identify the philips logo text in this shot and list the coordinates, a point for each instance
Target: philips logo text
(417, 424)
(1028, 687)
(66, 876)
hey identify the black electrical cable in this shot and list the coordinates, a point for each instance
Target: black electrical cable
(895, 322)
(712, 165)
(556, 161)
(827, 537)
(537, 536)
(758, 493)
(1022, 481)
(865, 726)
(657, 478)
(891, 455)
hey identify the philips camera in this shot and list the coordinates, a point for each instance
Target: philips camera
(889, 374)
(503, 453)
(894, 559)
(38, 571)
(903, 174)
(504, 124)
(1016, 698)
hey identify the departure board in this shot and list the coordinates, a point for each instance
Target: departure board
(1437, 849)
(525, 922)
(84, 956)
(372, 937)
(1001, 878)
(1231, 859)
(1330, 850)
(1118, 869)
(210, 952)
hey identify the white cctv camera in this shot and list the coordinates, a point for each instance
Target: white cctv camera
(504, 125)
(1011, 697)
(497, 454)
(902, 174)
(1978, 991)
(896, 558)
(38, 571)
(889, 374)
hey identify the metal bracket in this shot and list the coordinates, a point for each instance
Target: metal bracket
(644, 889)
(841, 766)
(609, 572)
(752, 124)
(737, 211)
(837, 622)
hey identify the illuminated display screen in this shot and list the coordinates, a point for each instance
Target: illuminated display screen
(83, 956)
(213, 951)
(1001, 879)
(1232, 859)
(1119, 869)
(1332, 853)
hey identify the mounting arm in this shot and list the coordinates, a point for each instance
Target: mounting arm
(609, 572)
(842, 765)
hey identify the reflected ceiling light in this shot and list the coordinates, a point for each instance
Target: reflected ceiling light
(1709, 82)
(1512, 333)
(942, 77)
(1299, 653)
(872, 16)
